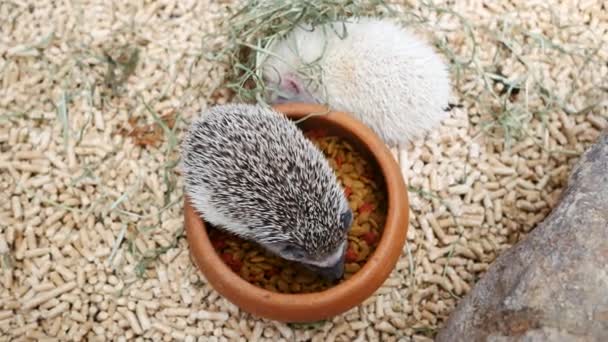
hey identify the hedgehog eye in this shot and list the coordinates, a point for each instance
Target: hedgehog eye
(291, 84)
(346, 219)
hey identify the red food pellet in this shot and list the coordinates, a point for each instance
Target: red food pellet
(370, 237)
(233, 263)
(227, 257)
(236, 266)
(347, 191)
(366, 208)
(351, 256)
(271, 272)
(339, 161)
(219, 244)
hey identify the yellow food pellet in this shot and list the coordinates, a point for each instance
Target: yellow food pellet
(305, 278)
(257, 259)
(352, 267)
(283, 286)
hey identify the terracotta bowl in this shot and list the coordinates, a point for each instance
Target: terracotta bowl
(315, 306)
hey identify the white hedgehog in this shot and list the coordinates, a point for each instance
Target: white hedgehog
(251, 171)
(380, 73)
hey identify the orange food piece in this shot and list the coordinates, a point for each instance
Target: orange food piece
(366, 208)
(339, 161)
(151, 134)
(348, 191)
(351, 255)
(218, 244)
(233, 263)
(370, 237)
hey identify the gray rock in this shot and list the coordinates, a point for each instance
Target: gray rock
(553, 285)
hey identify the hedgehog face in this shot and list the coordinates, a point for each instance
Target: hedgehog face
(282, 71)
(324, 255)
(286, 87)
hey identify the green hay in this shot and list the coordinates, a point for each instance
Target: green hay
(251, 30)
(172, 138)
(117, 243)
(7, 261)
(62, 115)
(120, 69)
(151, 256)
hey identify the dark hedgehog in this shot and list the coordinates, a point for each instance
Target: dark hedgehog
(250, 171)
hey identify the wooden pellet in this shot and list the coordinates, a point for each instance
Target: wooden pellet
(6, 314)
(54, 218)
(43, 287)
(16, 206)
(29, 167)
(36, 252)
(23, 329)
(41, 298)
(597, 121)
(130, 316)
(459, 189)
(498, 210)
(57, 310)
(207, 315)
(358, 325)
(142, 317)
(65, 273)
(436, 279)
(284, 330)
(77, 316)
(503, 171)
(177, 312)
(379, 306)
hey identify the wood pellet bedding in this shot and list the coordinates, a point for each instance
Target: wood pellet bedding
(367, 198)
(91, 223)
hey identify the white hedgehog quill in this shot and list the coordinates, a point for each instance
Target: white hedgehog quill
(379, 72)
(249, 170)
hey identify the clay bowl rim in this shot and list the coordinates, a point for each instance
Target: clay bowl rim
(315, 306)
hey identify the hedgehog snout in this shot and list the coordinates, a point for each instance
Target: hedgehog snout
(332, 266)
(333, 272)
(290, 88)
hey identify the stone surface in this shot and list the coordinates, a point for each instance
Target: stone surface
(553, 285)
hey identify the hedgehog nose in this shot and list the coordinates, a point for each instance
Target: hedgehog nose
(334, 272)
